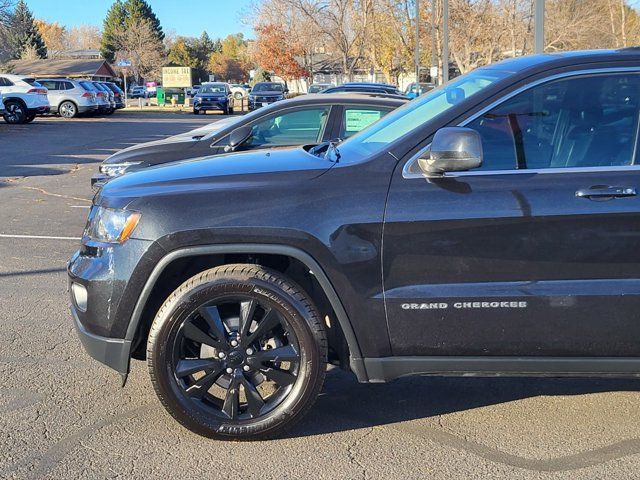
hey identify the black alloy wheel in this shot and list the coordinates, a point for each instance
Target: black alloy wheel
(237, 352)
(14, 112)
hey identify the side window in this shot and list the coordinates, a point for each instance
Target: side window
(5, 82)
(49, 84)
(355, 119)
(290, 128)
(582, 121)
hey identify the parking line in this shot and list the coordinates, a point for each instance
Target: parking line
(39, 237)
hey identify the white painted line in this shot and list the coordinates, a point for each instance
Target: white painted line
(80, 206)
(40, 237)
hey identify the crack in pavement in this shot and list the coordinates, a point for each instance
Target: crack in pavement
(588, 458)
(43, 462)
(352, 453)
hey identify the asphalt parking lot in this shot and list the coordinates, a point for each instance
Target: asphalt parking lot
(63, 415)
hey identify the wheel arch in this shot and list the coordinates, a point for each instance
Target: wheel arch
(8, 98)
(145, 305)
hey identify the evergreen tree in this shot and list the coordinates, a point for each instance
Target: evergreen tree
(122, 14)
(24, 37)
(113, 22)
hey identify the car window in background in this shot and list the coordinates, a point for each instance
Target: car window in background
(213, 89)
(582, 121)
(416, 113)
(296, 127)
(88, 86)
(49, 84)
(355, 119)
(268, 87)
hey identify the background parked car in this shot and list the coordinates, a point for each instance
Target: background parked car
(318, 87)
(304, 120)
(213, 96)
(69, 98)
(102, 99)
(416, 89)
(24, 98)
(118, 94)
(110, 96)
(1, 106)
(138, 92)
(239, 91)
(365, 87)
(266, 93)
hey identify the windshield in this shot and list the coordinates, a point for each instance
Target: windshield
(421, 110)
(213, 89)
(268, 87)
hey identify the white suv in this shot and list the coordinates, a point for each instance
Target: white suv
(24, 98)
(69, 98)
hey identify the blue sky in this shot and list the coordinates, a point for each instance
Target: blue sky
(187, 17)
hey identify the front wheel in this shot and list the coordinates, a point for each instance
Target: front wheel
(237, 352)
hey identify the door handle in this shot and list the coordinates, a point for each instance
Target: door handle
(606, 192)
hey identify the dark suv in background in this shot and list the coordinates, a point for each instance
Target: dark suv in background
(488, 227)
(266, 93)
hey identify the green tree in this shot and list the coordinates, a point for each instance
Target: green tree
(124, 14)
(24, 37)
(113, 23)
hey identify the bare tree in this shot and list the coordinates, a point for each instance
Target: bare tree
(139, 44)
(83, 37)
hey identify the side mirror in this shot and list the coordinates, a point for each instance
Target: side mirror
(453, 149)
(238, 137)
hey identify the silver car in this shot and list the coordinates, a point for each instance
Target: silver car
(102, 98)
(110, 96)
(69, 98)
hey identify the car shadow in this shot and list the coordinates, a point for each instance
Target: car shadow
(347, 405)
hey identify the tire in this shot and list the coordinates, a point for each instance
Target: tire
(225, 111)
(30, 118)
(68, 110)
(15, 112)
(279, 360)
(230, 111)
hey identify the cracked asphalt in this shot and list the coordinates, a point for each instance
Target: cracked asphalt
(63, 415)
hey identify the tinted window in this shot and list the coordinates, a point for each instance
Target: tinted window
(291, 128)
(88, 86)
(268, 87)
(5, 82)
(213, 89)
(49, 84)
(68, 86)
(355, 119)
(583, 121)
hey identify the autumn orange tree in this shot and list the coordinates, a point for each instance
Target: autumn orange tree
(274, 52)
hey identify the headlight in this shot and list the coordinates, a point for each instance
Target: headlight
(252, 98)
(116, 169)
(280, 97)
(111, 226)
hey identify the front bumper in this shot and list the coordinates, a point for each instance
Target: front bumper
(113, 278)
(205, 106)
(113, 352)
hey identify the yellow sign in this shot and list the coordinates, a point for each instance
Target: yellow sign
(179, 77)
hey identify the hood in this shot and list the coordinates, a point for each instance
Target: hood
(229, 171)
(155, 151)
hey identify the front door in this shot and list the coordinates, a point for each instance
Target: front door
(537, 252)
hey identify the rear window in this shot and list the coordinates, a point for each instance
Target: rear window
(32, 82)
(87, 86)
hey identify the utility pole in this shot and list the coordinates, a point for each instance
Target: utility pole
(434, 57)
(445, 41)
(539, 27)
(417, 46)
